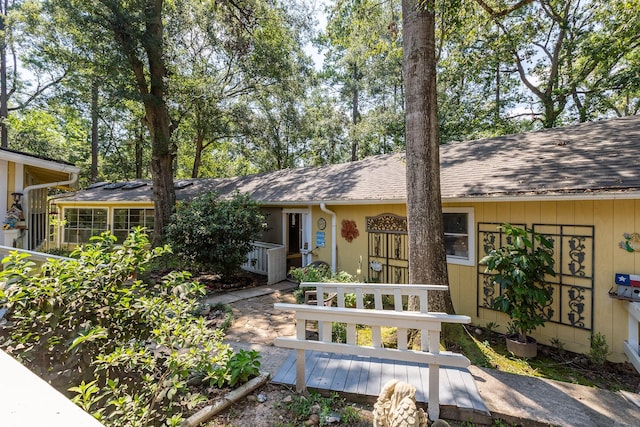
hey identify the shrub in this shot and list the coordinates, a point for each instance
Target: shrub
(520, 269)
(599, 349)
(321, 273)
(216, 233)
(131, 352)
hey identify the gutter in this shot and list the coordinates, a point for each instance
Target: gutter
(334, 236)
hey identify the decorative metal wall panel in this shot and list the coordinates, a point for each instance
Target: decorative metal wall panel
(387, 223)
(388, 260)
(572, 287)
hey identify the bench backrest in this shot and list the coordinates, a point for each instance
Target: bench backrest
(394, 292)
(391, 315)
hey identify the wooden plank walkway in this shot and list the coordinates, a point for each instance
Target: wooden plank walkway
(364, 377)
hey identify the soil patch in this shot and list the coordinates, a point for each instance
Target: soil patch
(241, 280)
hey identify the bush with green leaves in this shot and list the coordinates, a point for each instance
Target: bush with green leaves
(521, 268)
(133, 353)
(216, 233)
(319, 273)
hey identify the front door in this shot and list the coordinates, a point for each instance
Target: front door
(297, 236)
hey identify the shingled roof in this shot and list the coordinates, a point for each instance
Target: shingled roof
(590, 158)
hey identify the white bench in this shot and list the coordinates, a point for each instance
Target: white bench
(429, 324)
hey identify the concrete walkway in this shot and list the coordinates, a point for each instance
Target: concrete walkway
(516, 399)
(258, 291)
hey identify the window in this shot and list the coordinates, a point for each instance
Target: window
(125, 219)
(82, 223)
(458, 235)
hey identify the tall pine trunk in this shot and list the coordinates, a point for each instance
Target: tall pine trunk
(427, 258)
(4, 91)
(95, 92)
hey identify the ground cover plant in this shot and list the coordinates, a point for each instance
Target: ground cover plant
(131, 352)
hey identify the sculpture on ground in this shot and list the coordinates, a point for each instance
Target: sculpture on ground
(396, 407)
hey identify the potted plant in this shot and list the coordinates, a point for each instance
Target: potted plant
(520, 269)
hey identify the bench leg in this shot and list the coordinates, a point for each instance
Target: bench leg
(301, 386)
(434, 392)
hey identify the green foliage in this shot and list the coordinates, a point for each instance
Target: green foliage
(557, 344)
(599, 349)
(320, 273)
(301, 407)
(216, 233)
(243, 366)
(133, 353)
(520, 269)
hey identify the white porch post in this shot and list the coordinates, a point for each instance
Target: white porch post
(631, 347)
(4, 191)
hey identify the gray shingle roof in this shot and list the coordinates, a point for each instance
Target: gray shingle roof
(600, 157)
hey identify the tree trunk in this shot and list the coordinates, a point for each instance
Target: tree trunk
(157, 112)
(197, 159)
(152, 89)
(139, 146)
(4, 93)
(427, 258)
(354, 113)
(94, 129)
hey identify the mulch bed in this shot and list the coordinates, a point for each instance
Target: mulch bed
(216, 284)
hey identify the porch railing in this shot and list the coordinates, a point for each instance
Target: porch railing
(37, 257)
(267, 259)
(631, 347)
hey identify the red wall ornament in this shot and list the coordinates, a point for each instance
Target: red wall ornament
(349, 230)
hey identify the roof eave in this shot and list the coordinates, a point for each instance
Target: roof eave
(38, 162)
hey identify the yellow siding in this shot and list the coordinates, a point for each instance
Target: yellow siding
(611, 219)
(11, 182)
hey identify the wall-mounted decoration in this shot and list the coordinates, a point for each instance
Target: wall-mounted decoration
(322, 223)
(631, 242)
(349, 230)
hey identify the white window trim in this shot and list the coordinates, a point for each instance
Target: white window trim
(471, 227)
(63, 227)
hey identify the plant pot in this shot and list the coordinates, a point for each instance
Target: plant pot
(527, 350)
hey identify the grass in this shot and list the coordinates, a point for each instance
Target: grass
(492, 353)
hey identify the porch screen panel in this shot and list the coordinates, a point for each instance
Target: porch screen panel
(37, 222)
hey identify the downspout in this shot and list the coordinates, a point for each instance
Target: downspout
(25, 199)
(334, 237)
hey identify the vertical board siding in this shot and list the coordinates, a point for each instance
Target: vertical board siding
(611, 219)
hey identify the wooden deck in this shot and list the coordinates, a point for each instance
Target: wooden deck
(364, 377)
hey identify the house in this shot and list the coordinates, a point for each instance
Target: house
(579, 185)
(26, 179)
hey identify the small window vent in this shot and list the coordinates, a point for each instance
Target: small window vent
(132, 185)
(115, 185)
(182, 184)
(97, 185)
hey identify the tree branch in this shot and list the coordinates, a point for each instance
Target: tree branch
(38, 91)
(499, 14)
